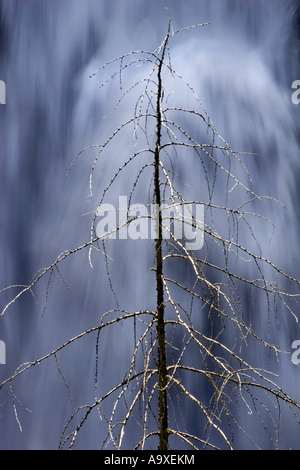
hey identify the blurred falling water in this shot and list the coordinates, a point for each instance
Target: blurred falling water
(242, 67)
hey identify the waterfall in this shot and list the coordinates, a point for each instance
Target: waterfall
(241, 65)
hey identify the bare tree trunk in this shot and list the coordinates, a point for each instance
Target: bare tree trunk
(162, 356)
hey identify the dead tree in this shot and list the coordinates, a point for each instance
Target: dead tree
(199, 331)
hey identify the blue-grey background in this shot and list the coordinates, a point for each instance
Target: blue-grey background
(242, 67)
